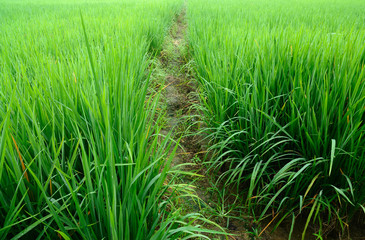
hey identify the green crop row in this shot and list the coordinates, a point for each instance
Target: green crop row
(283, 95)
(80, 153)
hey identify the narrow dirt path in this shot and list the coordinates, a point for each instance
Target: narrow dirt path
(179, 93)
(182, 119)
(179, 97)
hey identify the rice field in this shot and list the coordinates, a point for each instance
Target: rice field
(283, 96)
(281, 88)
(80, 155)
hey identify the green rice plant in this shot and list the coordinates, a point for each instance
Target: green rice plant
(282, 91)
(80, 151)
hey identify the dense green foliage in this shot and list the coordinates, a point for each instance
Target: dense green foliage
(283, 95)
(80, 156)
(282, 86)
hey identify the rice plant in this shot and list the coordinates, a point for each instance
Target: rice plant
(283, 96)
(80, 152)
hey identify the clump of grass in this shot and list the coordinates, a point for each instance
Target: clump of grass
(283, 98)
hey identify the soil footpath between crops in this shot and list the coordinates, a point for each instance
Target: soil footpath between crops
(182, 119)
